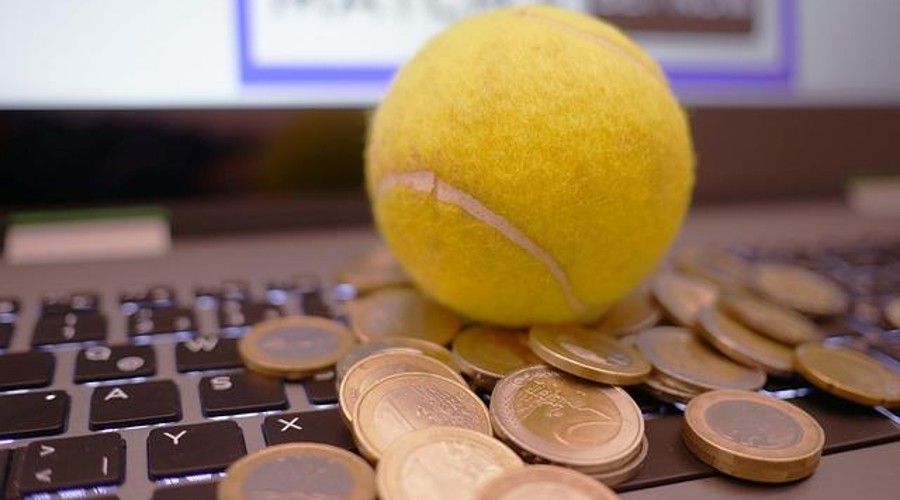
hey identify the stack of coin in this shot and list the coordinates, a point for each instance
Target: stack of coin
(849, 374)
(685, 366)
(550, 417)
(294, 347)
(402, 312)
(442, 463)
(486, 354)
(752, 436)
(544, 482)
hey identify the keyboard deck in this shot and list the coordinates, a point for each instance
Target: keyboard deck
(122, 380)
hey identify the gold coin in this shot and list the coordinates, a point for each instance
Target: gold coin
(772, 320)
(715, 265)
(544, 482)
(376, 269)
(487, 353)
(588, 354)
(635, 312)
(406, 402)
(294, 347)
(679, 354)
(849, 374)
(744, 345)
(799, 288)
(284, 471)
(402, 312)
(383, 364)
(627, 471)
(682, 297)
(566, 420)
(442, 463)
(752, 436)
(892, 312)
(365, 349)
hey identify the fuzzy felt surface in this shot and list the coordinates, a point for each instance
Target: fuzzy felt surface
(529, 165)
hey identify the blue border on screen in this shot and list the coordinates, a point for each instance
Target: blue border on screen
(779, 73)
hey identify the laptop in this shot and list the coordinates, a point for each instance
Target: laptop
(176, 173)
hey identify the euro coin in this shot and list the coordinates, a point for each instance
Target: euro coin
(487, 353)
(402, 403)
(365, 349)
(892, 312)
(381, 365)
(800, 289)
(630, 469)
(744, 345)
(682, 297)
(635, 312)
(772, 320)
(294, 347)
(285, 471)
(752, 436)
(849, 374)
(588, 354)
(402, 312)
(544, 482)
(565, 420)
(715, 265)
(442, 463)
(679, 354)
(375, 270)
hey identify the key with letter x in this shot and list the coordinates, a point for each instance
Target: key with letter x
(321, 426)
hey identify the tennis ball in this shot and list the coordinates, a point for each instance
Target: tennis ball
(529, 165)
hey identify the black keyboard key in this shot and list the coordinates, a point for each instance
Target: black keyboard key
(321, 389)
(9, 306)
(148, 321)
(111, 362)
(193, 449)
(240, 314)
(5, 456)
(207, 353)
(203, 491)
(241, 393)
(319, 426)
(6, 333)
(847, 425)
(159, 296)
(312, 304)
(69, 327)
(78, 462)
(134, 404)
(33, 414)
(66, 302)
(26, 369)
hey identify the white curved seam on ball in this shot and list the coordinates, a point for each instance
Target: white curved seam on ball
(590, 37)
(425, 181)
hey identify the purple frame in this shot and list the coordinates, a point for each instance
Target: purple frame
(779, 74)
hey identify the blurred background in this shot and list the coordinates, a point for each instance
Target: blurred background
(259, 103)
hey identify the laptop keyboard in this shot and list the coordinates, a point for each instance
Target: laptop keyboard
(168, 406)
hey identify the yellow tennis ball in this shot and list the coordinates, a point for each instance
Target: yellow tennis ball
(529, 165)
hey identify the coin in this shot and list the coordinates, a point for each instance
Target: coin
(316, 470)
(383, 364)
(799, 288)
(715, 265)
(679, 354)
(402, 403)
(376, 269)
(849, 374)
(627, 471)
(682, 297)
(659, 388)
(892, 312)
(365, 349)
(487, 353)
(566, 420)
(744, 345)
(634, 312)
(543, 482)
(294, 347)
(752, 436)
(588, 354)
(440, 463)
(402, 312)
(772, 320)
